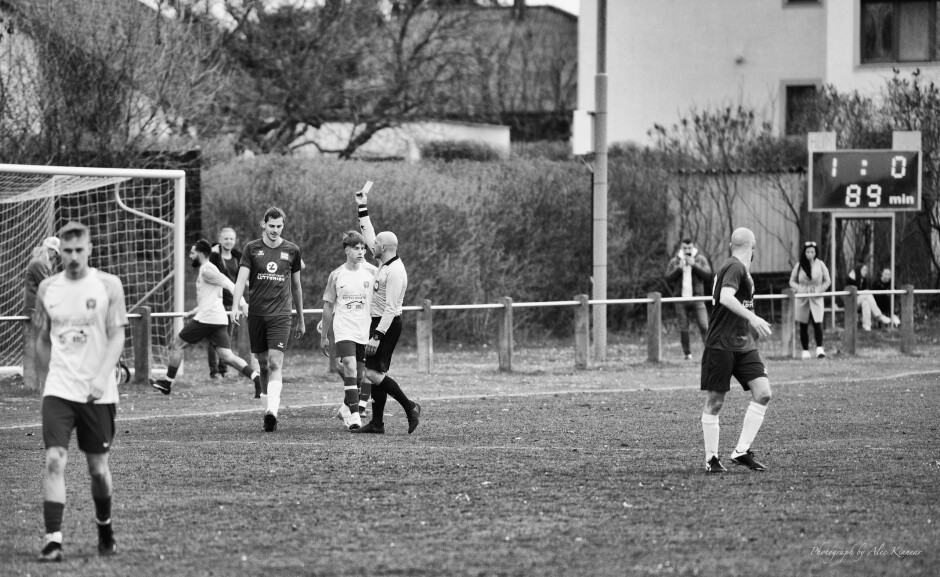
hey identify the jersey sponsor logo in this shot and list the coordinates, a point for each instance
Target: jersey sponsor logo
(375, 285)
(280, 345)
(272, 267)
(74, 337)
(90, 304)
(355, 305)
(284, 256)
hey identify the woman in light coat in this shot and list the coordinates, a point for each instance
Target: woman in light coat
(810, 275)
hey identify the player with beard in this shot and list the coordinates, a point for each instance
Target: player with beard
(209, 321)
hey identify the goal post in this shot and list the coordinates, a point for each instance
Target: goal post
(137, 221)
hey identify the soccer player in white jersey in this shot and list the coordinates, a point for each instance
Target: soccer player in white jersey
(210, 321)
(391, 281)
(347, 306)
(80, 318)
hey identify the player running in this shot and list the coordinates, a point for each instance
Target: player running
(347, 304)
(271, 267)
(391, 280)
(731, 350)
(210, 321)
(80, 318)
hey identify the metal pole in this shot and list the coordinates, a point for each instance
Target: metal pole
(599, 271)
(179, 257)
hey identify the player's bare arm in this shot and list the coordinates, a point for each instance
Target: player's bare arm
(239, 293)
(113, 352)
(43, 338)
(726, 298)
(327, 324)
(365, 223)
(297, 293)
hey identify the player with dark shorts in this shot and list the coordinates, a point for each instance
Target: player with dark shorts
(210, 321)
(347, 304)
(270, 266)
(80, 319)
(391, 281)
(731, 351)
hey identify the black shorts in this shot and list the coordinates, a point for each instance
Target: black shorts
(350, 349)
(93, 424)
(268, 333)
(217, 335)
(382, 359)
(718, 366)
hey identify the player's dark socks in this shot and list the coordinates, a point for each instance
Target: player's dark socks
(379, 397)
(102, 508)
(263, 371)
(247, 371)
(52, 515)
(392, 388)
(365, 392)
(171, 372)
(351, 394)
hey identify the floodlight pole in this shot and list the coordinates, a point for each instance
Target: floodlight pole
(599, 271)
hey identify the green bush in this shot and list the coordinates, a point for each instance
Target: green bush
(469, 232)
(450, 150)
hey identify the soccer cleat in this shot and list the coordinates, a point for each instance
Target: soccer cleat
(106, 544)
(714, 466)
(216, 376)
(820, 353)
(352, 420)
(688, 357)
(270, 423)
(257, 381)
(342, 413)
(161, 385)
(805, 355)
(370, 427)
(51, 552)
(747, 459)
(413, 417)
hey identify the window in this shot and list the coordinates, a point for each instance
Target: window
(801, 108)
(899, 31)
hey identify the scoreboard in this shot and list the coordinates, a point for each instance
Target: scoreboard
(861, 181)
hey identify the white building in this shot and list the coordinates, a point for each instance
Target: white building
(666, 56)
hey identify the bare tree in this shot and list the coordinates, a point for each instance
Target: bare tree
(103, 82)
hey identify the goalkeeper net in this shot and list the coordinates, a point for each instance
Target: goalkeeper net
(136, 220)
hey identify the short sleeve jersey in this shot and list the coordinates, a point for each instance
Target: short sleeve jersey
(351, 291)
(391, 282)
(727, 330)
(209, 308)
(269, 278)
(79, 315)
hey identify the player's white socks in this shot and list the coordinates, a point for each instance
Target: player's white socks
(274, 397)
(710, 432)
(752, 422)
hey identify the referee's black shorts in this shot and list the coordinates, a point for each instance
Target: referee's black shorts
(382, 358)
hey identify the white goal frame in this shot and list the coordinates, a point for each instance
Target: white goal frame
(178, 225)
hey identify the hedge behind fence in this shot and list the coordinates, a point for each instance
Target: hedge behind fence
(469, 232)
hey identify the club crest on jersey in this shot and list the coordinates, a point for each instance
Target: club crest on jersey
(272, 267)
(261, 252)
(365, 284)
(284, 256)
(90, 304)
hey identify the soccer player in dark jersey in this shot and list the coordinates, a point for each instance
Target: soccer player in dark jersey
(271, 267)
(389, 287)
(731, 350)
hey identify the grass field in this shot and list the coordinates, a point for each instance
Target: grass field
(545, 471)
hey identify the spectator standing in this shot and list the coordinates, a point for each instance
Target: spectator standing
(688, 274)
(810, 275)
(225, 257)
(40, 267)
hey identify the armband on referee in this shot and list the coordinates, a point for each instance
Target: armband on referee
(377, 335)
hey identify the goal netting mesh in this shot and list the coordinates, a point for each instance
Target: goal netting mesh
(132, 232)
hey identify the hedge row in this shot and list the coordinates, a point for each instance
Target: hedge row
(469, 232)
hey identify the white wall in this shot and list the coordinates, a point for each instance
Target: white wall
(402, 141)
(665, 56)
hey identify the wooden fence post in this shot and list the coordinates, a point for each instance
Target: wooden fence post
(425, 329)
(140, 335)
(582, 333)
(505, 335)
(850, 316)
(654, 328)
(30, 375)
(788, 318)
(907, 320)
